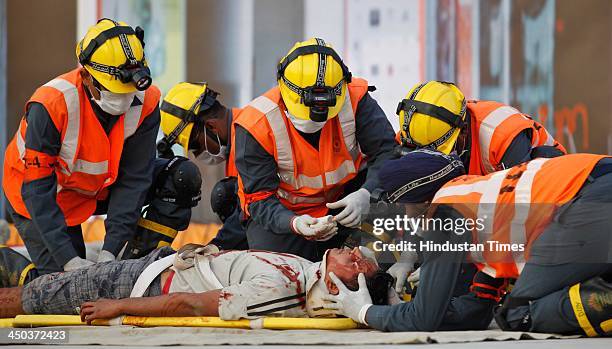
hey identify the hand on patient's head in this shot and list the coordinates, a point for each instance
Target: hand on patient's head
(347, 264)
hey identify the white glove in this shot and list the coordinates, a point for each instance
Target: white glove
(415, 277)
(329, 226)
(309, 227)
(105, 256)
(353, 304)
(355, 204)
(402, 268)
(77, 263)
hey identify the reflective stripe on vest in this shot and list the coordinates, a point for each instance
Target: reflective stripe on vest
(284, 151)
(294, 199)
(522, 200)
(283, 145)
(20, 143)
(346, 116)
(487, 129)
(489, 191)
(549, 139)
(71, 138)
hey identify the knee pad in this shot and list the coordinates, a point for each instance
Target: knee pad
(224, 197)
(15, 269)
(592, 305)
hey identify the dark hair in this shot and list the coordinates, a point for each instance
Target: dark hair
(378, 286)
(211, 113)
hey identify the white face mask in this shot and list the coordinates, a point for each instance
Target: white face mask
(306, 126)
(207, 157)
(114, 103)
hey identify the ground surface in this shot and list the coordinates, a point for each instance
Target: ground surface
(583, 343)
(127, 336)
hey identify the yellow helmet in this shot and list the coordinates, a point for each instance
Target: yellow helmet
(180, 109)
(312, 80)
(113, 53)
(432, 115)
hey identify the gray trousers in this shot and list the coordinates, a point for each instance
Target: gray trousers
(35, 242)
(574, 248)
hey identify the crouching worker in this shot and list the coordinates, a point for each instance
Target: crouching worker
(193, 117)
(88, 136)
(199, 281)
(557, 209)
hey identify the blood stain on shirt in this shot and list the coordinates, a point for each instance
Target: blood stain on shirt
(290, 274)
(226, 296)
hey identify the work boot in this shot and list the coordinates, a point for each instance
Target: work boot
(592, 304)
(15, 269)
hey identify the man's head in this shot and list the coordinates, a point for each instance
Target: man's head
(192, 116)
(418, 175)
(432, 115)
(347, 264)
(312, 80)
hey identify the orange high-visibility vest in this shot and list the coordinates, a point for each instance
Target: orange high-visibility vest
(230, 164)
(88, 161)
(516, 205)
(494, 126)
(308, 178)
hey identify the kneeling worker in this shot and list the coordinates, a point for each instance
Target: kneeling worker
(563, 271)
(199, 281)
(86, 144)
(488, 136)
(300, 145)
(192, 116)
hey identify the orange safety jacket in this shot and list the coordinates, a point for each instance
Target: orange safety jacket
(88, 161)
(494, 126)
(230, 164)
(515, 205)
(308, 178)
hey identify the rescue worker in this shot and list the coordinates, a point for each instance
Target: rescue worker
(556, 209)
(199, 281)
(192, 116)
(85, 146)
(488, 136)
(301, 145)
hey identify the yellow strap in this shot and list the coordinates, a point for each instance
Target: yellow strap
(158, 228)
(583, 321)
(606, 326)
(162, 244)
(24, 273)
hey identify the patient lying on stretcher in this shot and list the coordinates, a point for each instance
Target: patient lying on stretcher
(199, 281)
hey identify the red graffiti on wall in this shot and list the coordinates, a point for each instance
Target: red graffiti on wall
(566, 121)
